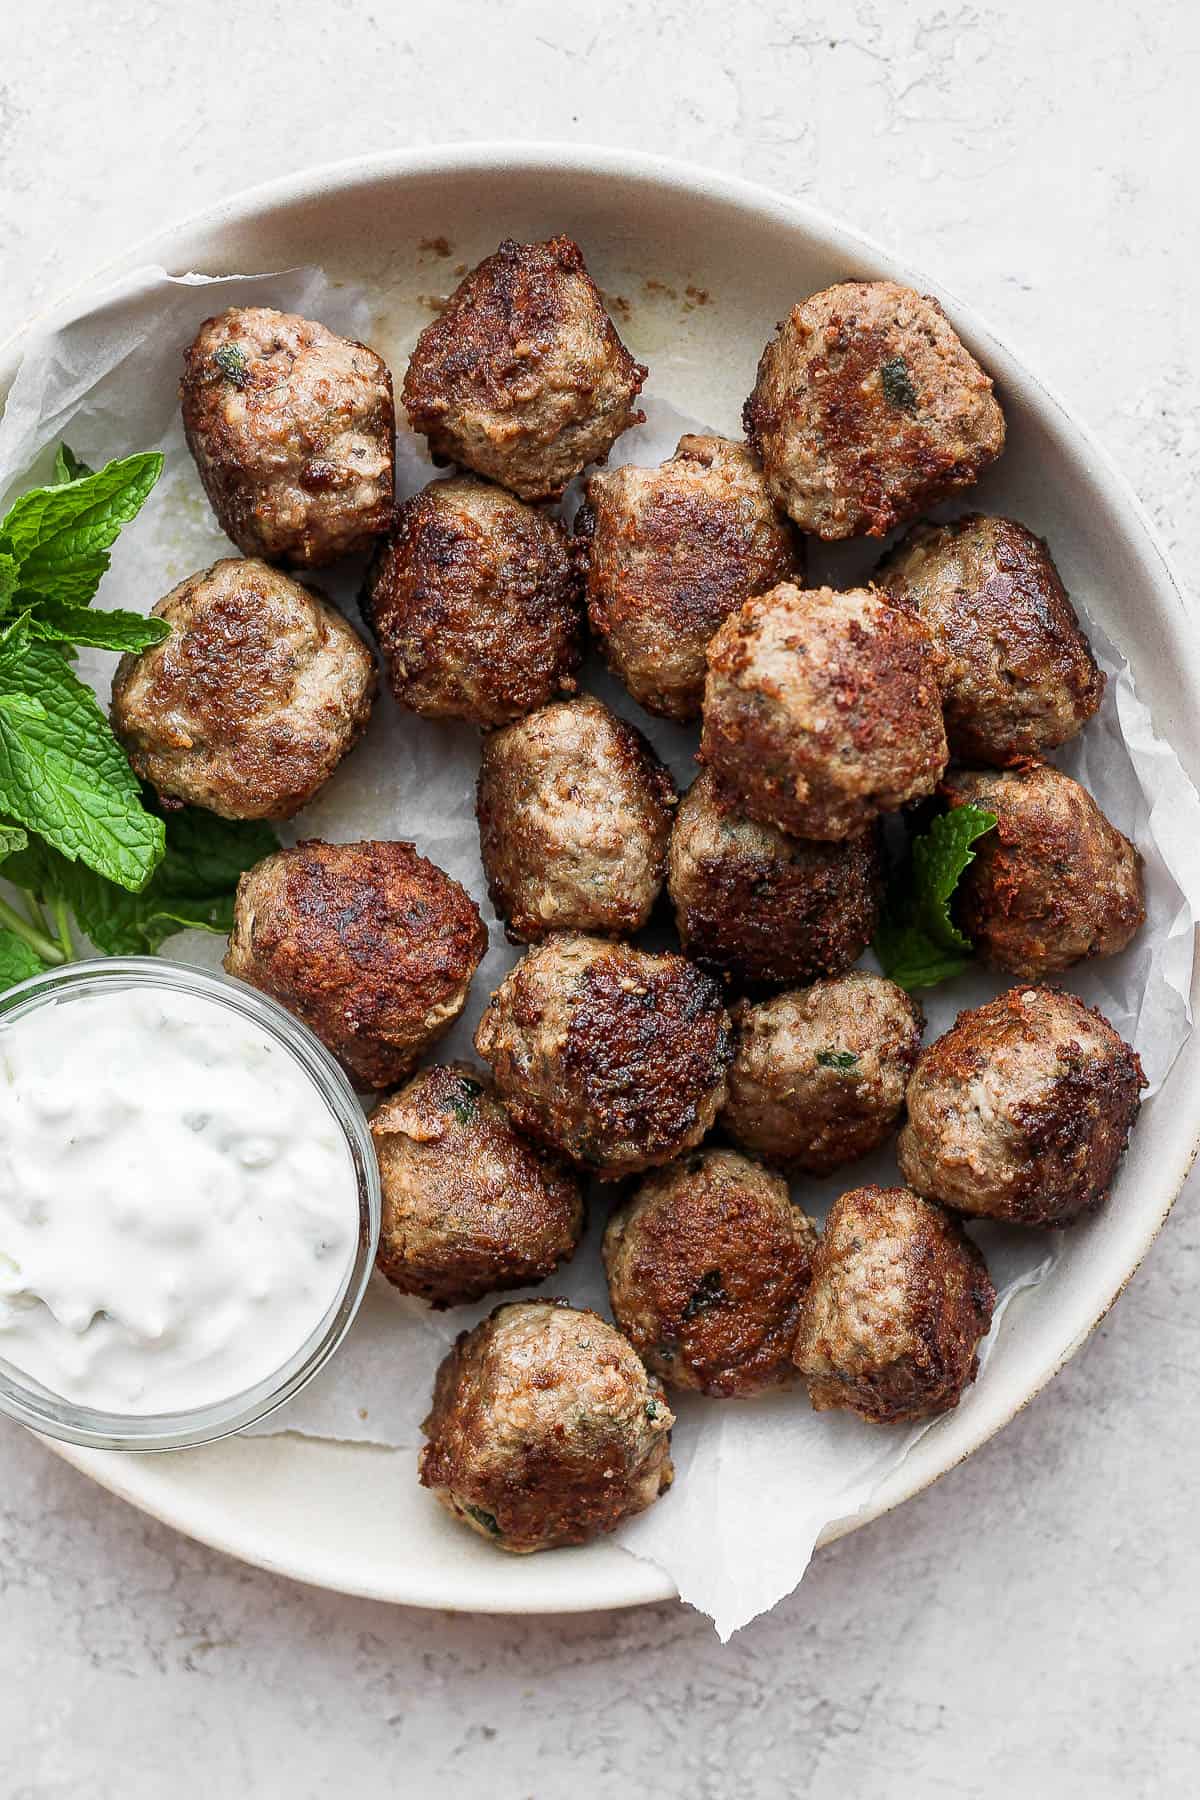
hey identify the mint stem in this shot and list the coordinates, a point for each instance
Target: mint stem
(62, 919)
(46, 948)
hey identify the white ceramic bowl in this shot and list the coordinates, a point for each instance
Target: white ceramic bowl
(728, 259)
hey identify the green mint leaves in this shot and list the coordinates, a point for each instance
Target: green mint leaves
(837, 1059)
(62, 773)
(898, 386)
(917, 943)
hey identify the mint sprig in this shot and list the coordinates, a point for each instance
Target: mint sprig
(918, 943)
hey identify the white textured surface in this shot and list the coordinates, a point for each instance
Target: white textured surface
(1030, 1625)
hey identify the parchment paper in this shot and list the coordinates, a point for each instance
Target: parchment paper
(756, 1480)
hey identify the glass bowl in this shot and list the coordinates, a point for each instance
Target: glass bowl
(26, 1400)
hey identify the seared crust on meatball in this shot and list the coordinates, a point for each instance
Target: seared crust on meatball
(574, 820)
(1022, 1111)
(868, 409)
(545, 1428)
(1054, 883)
(1017, 675)
(611, 1055)
(761, 909)
(293, 432)
(369, 944)
(707, 1264)
(468, 1206)
(251, 703)
(822, 710)
(522, 377)
(818, 1076)
(898, 1303)
(474, 600)
(671, 552)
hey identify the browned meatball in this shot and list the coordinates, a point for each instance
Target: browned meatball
(1017, 674)
(762, 909)
(707, 1264)
(545, 1428)
(369, 944)
(474, 599)
(612, 1055)
(522, 377)
(818, 1077)
(899, 1301)
(293, 432)
(251, 703)
(574, 819)
(468, 1206)
(1054, 883)
(867, 409)
(1022, 1111)
(672, 552)
(822, 710)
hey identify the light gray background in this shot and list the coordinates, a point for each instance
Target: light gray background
(1030, 1626)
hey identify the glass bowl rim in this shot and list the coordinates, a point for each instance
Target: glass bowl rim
(56, 1417)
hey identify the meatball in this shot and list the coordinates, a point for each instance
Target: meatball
(762, 909)
(898, 1303)
(545, 1428)
(370, 945)
(671, 553)
(293, 432)
(251, 703)
(1022, 1111)
(1054, 883)
(523, 377)
(574, 820)
(707, 1264)
(818, 1077)
(474, 599)
(868, 409)
(822, 710)
(468, 1206)
(1016, 672)
(613, 1056)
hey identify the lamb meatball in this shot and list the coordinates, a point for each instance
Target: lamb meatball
(545, 1428)
(574, 819)
(868, 409)
(762, 909)
(1017, 674)
(818, 1077)
(672, 552)
(1022, 1111)
(1054, 883)
(468, 1206)
(707, 1264)
(522, 377)
(611, 1055)
(370, 945)
(293, 432)
(822, 710)
(898, 1303)
(251, 703)
(474, 601)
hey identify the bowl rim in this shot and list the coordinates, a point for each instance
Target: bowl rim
(167, 245)
(55, 1417)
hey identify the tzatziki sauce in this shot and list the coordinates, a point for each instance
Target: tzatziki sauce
(178, 1204)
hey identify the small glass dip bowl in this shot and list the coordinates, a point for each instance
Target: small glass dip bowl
(25, 1399)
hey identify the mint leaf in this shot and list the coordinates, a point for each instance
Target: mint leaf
(12, 839)
(17, 961)
(837, 1059)
(64, 775)
(61, 535)
(116, 630)
(917, 943)
(192, 888)
(68, 466)
(9, 576)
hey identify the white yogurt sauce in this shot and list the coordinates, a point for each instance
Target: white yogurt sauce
(178, 1205)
